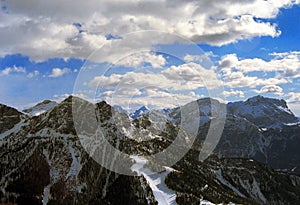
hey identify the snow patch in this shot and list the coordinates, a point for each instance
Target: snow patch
(285, 110)
(40, 108)
(46, 194)
(292, 124)
(162, 194)
(226, 183)
(75, 166)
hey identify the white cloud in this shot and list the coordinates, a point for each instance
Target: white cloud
(288, 64)
(281, 69)
(188, 76)
(237, 93)
(271, 89)
(45, 29)
(238, 79)
(13, 69)
(199, 58)
(154, 98)
(33, 74)
(57, 72)
(138, 59)
(193, 73)
(294, 97)
(162, 89)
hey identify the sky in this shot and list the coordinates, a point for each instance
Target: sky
(160, 53)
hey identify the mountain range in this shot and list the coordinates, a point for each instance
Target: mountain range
(256, 161)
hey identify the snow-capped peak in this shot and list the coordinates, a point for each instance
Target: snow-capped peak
(264, 112)
(40, 108)
(142, 110)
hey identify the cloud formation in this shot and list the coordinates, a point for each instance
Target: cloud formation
(139, 59)
(271, 89)
(287, 63)
(294, 97)
(169, 86)
(57, 72)
(48, 29)
(236, 93)
(282, 67)
(13, 69)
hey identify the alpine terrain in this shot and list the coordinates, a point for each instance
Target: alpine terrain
(43, 159)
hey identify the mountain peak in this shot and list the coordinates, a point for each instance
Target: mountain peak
(142, 110)
(263, 111)
(261, 99)
(40, 108)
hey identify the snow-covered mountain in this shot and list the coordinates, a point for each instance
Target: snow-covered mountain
(263, 112)
(42, 160)
(40, 108)
(141, 111)
(259, 128)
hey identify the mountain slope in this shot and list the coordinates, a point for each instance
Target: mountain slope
(43, 161)
(9, 117)
(241, 181)
(260, 128)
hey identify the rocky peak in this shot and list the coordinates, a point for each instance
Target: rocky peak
(142, 110)
(263, 112)
(40, 108)
(60, 117)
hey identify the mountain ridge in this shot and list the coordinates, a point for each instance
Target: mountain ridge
(47, 147)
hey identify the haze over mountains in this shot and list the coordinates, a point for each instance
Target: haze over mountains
(256, 161)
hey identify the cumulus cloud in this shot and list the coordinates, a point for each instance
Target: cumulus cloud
(294, 97)
(13, 69)
(48, 29)
(236, 93)
(138, 59)
(288, 64)
(199, 58)
(238, 79)
(182, 77)
(281, 69)
(175, 84)
(33, 74)
(271, 89)
(152, 97)
(193, 74)
(57, 72)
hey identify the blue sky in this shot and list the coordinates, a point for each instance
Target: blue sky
(52, 50)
